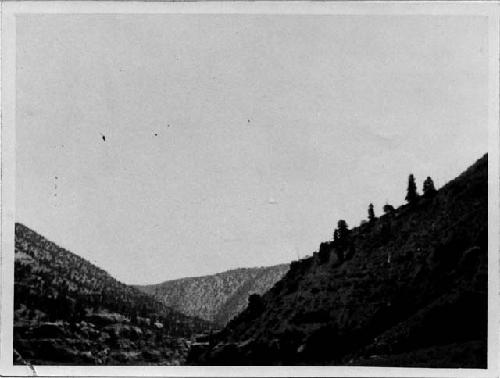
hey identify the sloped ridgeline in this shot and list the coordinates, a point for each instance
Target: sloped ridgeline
(410, 290)
(68, 311)
(218, 297)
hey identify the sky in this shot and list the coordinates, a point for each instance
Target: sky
(166, 146)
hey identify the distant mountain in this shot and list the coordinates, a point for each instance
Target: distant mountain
(408, 289)
(68, 311)
(219, 297)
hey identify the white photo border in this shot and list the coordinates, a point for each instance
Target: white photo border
(9, 12)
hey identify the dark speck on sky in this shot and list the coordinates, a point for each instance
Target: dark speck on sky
(325, 117)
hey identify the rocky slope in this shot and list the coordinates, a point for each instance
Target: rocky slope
(408, 289)
(216, 298)
(68, 311)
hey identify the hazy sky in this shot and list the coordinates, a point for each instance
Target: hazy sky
(235, 140)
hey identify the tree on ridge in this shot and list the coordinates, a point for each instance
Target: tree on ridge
(411, 195)
(343, 230)
(371, 213)
(428, 187)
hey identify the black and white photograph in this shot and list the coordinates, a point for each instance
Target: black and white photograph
(204, 188)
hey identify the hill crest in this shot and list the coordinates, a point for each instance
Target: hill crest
(409, 289)
(217, 297)
(66, 309)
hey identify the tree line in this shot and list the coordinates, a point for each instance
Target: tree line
(412, 196)
(342, 245)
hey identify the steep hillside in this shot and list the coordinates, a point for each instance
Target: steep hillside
(408, 289)
(69, 311)
(219, 297)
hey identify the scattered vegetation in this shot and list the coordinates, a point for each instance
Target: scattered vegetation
(411, 291)
(219, 297)
(395, 291)
(68, 310)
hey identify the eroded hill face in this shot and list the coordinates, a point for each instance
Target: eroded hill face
(68, 311)
(216, 298)
(410, 291)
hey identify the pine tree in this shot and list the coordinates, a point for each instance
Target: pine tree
(411, 195)
(343, 230)
(371, 213)
(336, 235)
(429, 188)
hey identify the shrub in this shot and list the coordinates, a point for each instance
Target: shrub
(428, 188)
(388, 209)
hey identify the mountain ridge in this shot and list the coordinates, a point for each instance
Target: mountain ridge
(217, 297)
(407, 289)
(68, 310)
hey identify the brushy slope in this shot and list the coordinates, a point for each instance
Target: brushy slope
(67, 310)
(411, 291)
(218, 297)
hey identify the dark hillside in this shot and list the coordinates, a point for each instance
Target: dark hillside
(67, 310)
(218, 297)
(408, 289)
